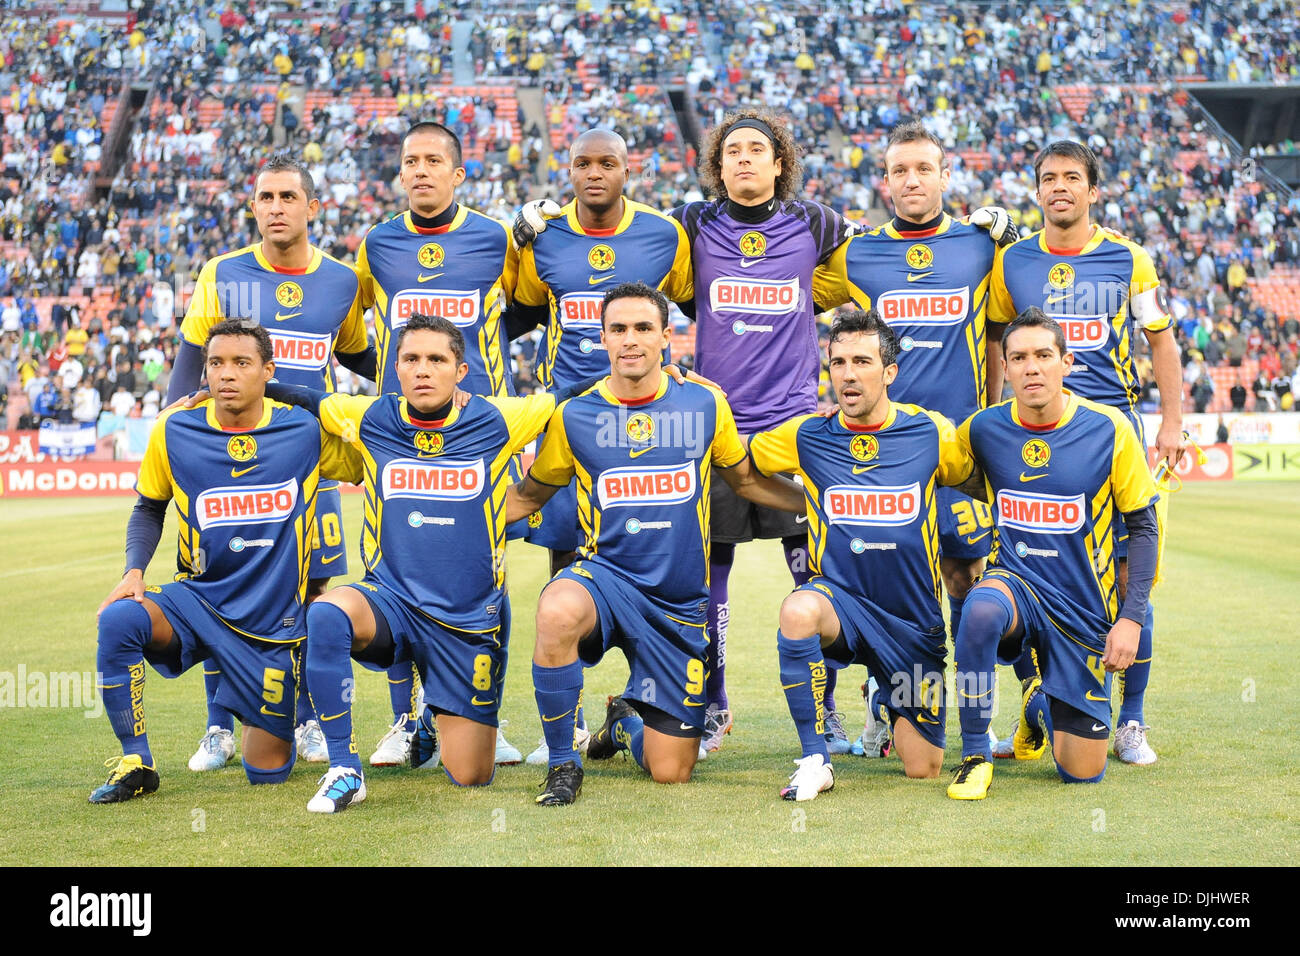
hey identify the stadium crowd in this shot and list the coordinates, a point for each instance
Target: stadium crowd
(339, 85)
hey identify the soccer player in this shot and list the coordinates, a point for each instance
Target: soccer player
(643, 449)
(310, 305)
(1057, 468)
(437, 258)
(243, 471)
(1100, 287)
(871, 476)
(600, 237)
(928, 276)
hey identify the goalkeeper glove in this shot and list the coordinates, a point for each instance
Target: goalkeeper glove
(530, 222)
(997, 221)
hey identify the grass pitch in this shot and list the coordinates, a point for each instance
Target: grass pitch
(1223, 705)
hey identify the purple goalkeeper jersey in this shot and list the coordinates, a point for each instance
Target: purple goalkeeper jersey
(755, 333)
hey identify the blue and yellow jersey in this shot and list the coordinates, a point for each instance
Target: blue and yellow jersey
(434, 529)
(464, 272)
(873, 518)
(1054, 491)
(643, 473)
(246, 502)
(1099, 294)
(568, 269)
(309, 313)
(932, 288)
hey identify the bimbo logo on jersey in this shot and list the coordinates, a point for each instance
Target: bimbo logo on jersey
(662, 485)
(252, 504)
(457, 307)
(580, 310)
(1084, 333)
(754, 296)
(886, 506)
(929, 307)
(301, 350)
(443, 480)
(1046, 514)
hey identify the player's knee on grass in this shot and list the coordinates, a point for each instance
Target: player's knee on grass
(267, 758)
(468, 750)
(800, 615)
(921, 759)
(565, 614)
(670, 759)
(1079, 743)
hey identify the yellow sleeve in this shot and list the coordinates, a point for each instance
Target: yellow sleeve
(831, 278)
(554, 462)
(777, 450)
(1145, 302)
(679, 284)
(955, 462)
(352, 333)
(510, 268)
(727, 448)
(365, 280)
(205, 308)
(529, 289)
(1130, 477)
(341, 415)
(340, 461)
(525, 417)
(1000, 308)
(155, 478)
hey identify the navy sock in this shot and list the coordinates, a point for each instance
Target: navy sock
(329, 678)
(1068, 778)
(218, 716)
(402, 690)
(803, 675)
(721, 557)
(987, 617)
(1038, 713)
(1026, 665)
(559, 696)
(124, 630)
(629, 735)
(955, 605)
(1133, 681)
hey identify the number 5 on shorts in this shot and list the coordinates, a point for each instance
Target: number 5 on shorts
(272, 685)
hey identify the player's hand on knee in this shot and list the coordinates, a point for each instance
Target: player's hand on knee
(1121, 644)
(530, 222)
(997, 222)
(131, 586)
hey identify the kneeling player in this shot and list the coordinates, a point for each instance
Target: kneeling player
(1052, 584)
(871, 476)
(243, 550)
(641, 447)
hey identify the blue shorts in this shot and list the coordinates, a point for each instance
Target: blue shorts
(1072, 670)
(329, 557)
(463, 672)
(257, 680)
(965, 525)
(906, 662)
(664, 646)
(556, 525)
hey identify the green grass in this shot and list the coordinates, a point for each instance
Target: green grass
(1224, 704)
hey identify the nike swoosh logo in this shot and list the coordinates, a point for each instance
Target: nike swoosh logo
(912, 277)
(1099, 699)
(236, 472)
(1024, 477)
(687, 727)
(289, 315)
(485, 703)
(426, 278)
(597, 280)
(746, 263)
(926, 720)
(974, 696)
(859, 469)
(978, 538)
(551, 720)
(638, 452)
(270, 713)
(692, 703)
(793, 686)
(800, 519)
(332, 557)
(1057, 298)
(1097, 727)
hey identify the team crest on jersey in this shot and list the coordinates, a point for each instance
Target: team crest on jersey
(289, 294)
(1061, 276)
(241, 447)
(864, 447)
(601, 257)
(535, 519)
(1036, 453)
(753, 244)
(640, 428)
(431, 255)
(919, 256)
(430, 443)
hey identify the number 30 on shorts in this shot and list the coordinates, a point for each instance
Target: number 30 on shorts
(971, 515)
